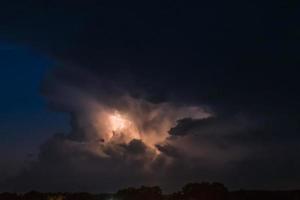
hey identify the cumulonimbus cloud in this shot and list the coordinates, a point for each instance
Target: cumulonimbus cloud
(119, 140)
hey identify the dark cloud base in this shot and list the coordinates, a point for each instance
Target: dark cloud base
(236, 60)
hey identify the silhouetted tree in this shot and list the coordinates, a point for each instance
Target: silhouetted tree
(142, 193)
(205, 191)
(56, 197)
(80, 196)
(175, 196)
(33, 195)
(9, 196)
(192, 191)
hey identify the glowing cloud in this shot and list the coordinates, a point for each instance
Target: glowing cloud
(119, 122)
(134, 119)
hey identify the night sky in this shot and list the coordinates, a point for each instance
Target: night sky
(96, 96)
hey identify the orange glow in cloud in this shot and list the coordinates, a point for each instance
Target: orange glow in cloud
(121, 127)
(139, 119)
(118, 122)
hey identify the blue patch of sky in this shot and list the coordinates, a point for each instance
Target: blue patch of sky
(25, 120)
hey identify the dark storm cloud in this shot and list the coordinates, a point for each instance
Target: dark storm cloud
(242, 153)
(234, 54)
(67, 165)
(237, 59)
(185, 126)
(92, 151)
(235, 149)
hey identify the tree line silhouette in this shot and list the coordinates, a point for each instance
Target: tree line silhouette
(191, 191)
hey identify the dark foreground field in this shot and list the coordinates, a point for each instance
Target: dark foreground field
(192, 191)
